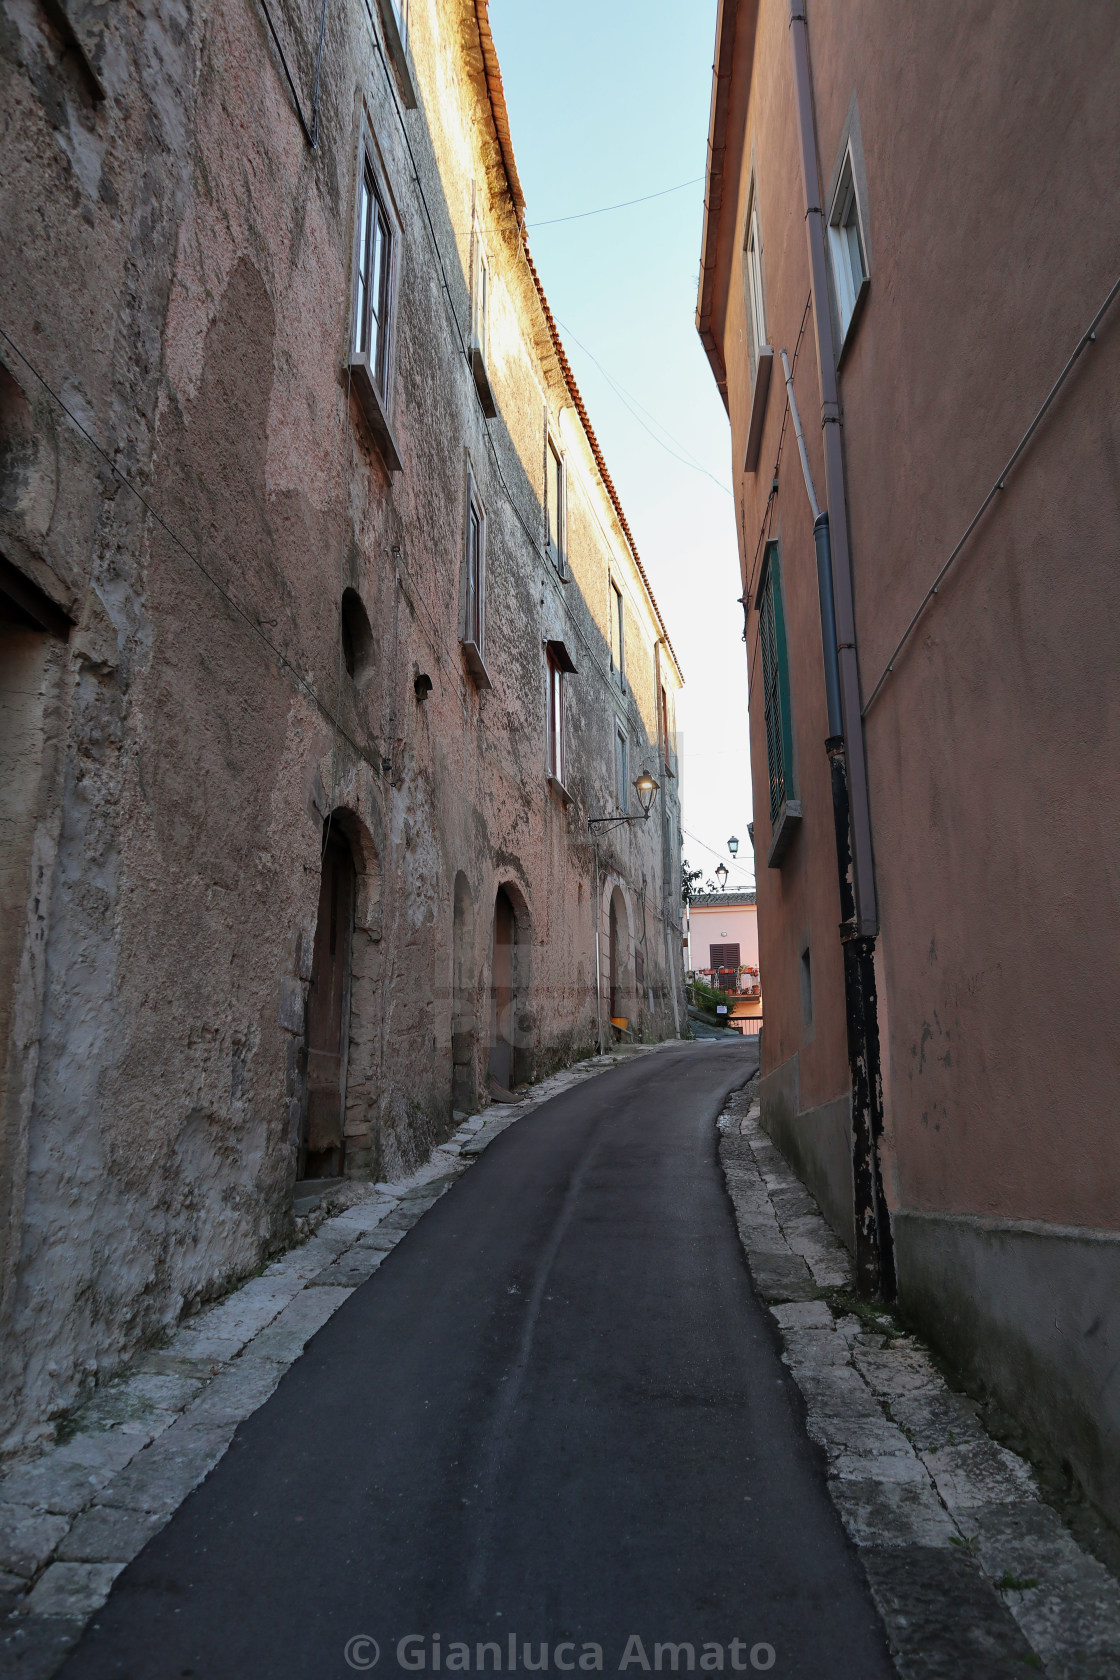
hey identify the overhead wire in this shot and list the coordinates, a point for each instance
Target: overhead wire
(604, 210)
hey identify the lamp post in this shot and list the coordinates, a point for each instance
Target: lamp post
(733, 845)
(721, 876)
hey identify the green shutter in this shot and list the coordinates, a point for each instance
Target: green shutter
(775, 682)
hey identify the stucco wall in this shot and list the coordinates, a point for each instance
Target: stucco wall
(994, 783)
(180, 273)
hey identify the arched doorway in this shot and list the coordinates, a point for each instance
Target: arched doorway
(501, 995)
(323, 1142)
(463, 1029)
(618, 957)
(510, 1030)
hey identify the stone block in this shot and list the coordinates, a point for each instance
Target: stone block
(51, 1484)
(28, 1538)
(881, 1513)
(109, 1534)
(804, 1315)
(235, 1393)
(290, 1011)
(943, 1618)
(72, 1589)
(781, 1277)
(160, 1478)
(1072, 1614)
(976, 1472)
(286, 1338)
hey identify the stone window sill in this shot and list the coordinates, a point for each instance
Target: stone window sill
(477, 359)
(475, 666)
(786, 826)
(558, 789)
(364, 384)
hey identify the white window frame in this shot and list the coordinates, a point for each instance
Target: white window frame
(847, 247)
(371, 368)
(558, 549)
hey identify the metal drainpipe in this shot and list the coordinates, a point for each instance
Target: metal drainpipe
(875, 1272)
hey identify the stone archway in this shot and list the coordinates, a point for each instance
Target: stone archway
(510, 1060)
(338, 1137)
(323, 1133)
(620, 960)
(464, 1026)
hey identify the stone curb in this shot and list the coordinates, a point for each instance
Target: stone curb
(71, 1519)
(972, 1572)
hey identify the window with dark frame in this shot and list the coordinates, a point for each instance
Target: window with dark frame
(621, 771)
(555, 718)
(618, 651)
(554, 501)
(474, 560)
(373, 295)
(775, 683)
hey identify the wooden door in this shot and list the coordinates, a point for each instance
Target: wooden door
(501, 993)
(328, 1015)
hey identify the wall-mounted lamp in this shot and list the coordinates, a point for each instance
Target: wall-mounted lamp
(646, 787)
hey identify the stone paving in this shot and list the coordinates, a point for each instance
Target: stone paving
(73, 1517)
(973, 1573)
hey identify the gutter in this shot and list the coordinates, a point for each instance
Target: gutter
(726, 19)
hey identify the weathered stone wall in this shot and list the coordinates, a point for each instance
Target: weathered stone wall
(179, 273)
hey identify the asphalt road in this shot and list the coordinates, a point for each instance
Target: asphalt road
(556, 1415)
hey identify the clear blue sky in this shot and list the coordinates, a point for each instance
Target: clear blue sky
(609, 101)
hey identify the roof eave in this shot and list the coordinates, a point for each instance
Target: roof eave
(727, 22)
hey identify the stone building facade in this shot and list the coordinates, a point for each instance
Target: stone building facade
(323, 635)
(926, 246)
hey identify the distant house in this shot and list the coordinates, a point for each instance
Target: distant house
(721, 937)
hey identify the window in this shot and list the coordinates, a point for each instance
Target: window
(371, 337)
(760, 354)
(756, 313)
(724, 961)
(480, 326)
(806, 967)
(618, 650)
(394, 16)
(555, 718)
(621, 771)
(554, 502)
(666, 738)
(375, 253)
(846, 246)
(473, 617)
(775, 683)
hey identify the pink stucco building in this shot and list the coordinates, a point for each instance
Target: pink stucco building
(908, 202)
(721, 934)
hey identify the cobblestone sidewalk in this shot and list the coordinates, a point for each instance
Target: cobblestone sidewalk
(974, 1575)
(71, 1519)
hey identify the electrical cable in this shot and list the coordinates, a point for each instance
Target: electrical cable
(733, 865)
(627, 398)
(1088, 337)
(581, 215)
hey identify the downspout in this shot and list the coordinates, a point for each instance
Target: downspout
(859, 925)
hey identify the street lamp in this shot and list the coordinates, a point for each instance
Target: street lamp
(733, 845)
(721, 876)
(646, 787)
